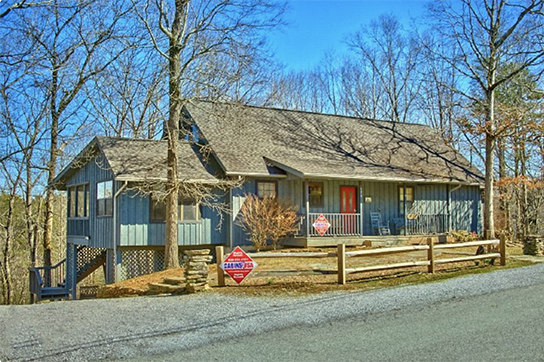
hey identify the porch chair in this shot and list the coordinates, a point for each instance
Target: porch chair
(377, 224)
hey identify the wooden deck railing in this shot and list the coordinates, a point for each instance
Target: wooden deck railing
(427, 224)
(342, 256)
(341, 224)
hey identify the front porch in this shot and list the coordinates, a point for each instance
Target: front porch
(352, 225)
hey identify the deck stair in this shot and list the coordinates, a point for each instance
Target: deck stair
(49, 283)
(88, 260)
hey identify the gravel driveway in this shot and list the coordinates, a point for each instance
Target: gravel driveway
(119, 328)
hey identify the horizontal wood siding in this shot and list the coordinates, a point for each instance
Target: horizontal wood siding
(467, 209)
(99, 230)
(137, 230)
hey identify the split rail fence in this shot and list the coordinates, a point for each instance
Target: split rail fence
(342, 256)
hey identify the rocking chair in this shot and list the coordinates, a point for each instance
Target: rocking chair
(377, 224)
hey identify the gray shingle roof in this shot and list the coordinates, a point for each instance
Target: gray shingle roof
(139, 160)
(247, 139)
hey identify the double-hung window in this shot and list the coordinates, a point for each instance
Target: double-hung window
(104, 198)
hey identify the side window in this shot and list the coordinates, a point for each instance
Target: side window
(266, 188)
(157, 209)
(409, 199)
(188, 210)
(104, 198)
(78, 201)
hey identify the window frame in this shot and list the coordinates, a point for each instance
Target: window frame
(322, 196)
(99, 199)
(257, 182)
(72, 196)
(181, 204)
(401, 201)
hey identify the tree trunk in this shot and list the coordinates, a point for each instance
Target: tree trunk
(172, 133)
(503, 190)
(489, 223)
(51, 170)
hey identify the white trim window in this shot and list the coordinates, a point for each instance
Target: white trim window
(104, 198)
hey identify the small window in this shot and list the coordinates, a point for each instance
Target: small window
(104, 198)
(409, 199)
(266, 188)
(78, 201)
(71, 202)
(157, 210)
(315, 191)
(188, 210)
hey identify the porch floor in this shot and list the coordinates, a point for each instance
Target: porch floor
(324, 241)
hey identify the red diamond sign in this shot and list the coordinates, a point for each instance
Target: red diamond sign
(321, 224)
(238, 265)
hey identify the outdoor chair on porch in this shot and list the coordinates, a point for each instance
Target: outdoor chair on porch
(377, 224)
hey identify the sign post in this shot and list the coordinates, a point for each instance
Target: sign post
(238, 265)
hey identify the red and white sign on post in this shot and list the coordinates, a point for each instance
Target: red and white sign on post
(238, 265)
(321, 224)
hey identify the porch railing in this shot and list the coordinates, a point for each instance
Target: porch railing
(340, 224)
(427, 224)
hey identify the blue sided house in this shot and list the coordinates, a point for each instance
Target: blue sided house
(369, 179)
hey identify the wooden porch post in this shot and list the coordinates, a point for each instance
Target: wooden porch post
(361, 207)
(404, 208)
(307, 200)
(448, 190)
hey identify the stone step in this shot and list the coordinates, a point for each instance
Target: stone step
(159, 288)
(174, 280)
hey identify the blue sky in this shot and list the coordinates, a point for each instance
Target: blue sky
(318, 26)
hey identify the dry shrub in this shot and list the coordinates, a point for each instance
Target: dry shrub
(267, 219)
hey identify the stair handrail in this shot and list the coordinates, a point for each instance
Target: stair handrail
(48, 269)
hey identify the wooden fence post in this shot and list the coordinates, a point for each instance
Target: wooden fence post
(341, 264)
(502, 238)
(219, 256)
(430, 255)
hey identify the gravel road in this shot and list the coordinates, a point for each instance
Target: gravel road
(127, 328)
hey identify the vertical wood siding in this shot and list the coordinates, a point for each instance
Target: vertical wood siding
(137, 230)
(98, 229)
(428, 199)
(467, 209)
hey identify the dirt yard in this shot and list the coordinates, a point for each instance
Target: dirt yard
(294, 276)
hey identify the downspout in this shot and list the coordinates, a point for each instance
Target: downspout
(115, 265)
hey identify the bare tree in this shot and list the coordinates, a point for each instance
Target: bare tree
(392, 57)
(487, 34)
(69, 44)
(190, 35)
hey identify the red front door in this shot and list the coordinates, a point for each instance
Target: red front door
(348, 200)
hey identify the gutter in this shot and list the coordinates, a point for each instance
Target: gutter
(116, 269)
